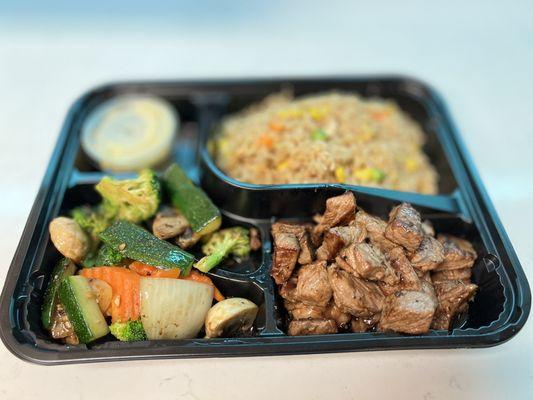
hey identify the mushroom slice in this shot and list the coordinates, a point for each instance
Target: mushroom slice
(103, 293)
(230, 316)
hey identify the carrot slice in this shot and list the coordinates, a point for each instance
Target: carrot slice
(126, 290)
(148, 270)
(197, 276)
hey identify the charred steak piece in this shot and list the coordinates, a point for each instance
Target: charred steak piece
(375, 230)
(405, 227)
(408, 312)
(458, 253)
(429, 255)
(299, 327)
(367, 262)
(408, 278)
(304, 311)
(342, 319)
(313, 287)
(286, 251)
(307, 252)
(338, 237)
(353, 295)
(340, 210)
(463, 274)
(453, 298)
(287, 290)
(360, 325)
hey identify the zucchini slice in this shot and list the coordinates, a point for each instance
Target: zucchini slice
(203, 216)
(137, 243)
(79, 302)
(63, 269)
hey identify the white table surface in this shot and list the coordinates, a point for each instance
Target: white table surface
(478, 55)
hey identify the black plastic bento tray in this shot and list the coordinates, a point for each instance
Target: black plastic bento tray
(499, 310)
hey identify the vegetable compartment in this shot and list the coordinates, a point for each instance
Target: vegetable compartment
(461, 208)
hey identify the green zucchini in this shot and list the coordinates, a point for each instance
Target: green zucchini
(63, 269)
(137, 243)
(203, 216)
(83, 311)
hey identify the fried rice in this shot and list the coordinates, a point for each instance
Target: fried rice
(325, 138)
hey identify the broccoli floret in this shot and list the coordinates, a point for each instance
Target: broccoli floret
(107, 256)
(93, 220)
(133, 200)
(220, 244)
(131, 331)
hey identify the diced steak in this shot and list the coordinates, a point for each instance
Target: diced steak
(375, 230)
(313, 286)
(287, 290)
(331, 245)
(340, 210)
(463, 274)
(255, 239)
(353, 295)
(304, 311)
(408, 312)
(405, 227)
(338, 237)
(453, 297)
(458, 253)
(368, 262)
(342, 319)
(408, 278)
(360, 325)
(312, 327)
(286, 251)
(429, 254)
(428, 229)
(307, 252)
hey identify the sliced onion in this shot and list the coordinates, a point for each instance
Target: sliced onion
(174, 308)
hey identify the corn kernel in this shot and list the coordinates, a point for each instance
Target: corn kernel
(411, 164)
(340, 175)
(283, 165)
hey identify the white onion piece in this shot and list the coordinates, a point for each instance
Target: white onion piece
(174, 308)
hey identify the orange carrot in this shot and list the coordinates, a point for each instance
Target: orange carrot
(125, 284)
(148, 270)
(276, 126)
(197, 276)
(266, 140)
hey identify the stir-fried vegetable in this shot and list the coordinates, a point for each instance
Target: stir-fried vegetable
(94, 220)
(230, 317)
(125, 304)
(319, 135)
(137, 243)
(130, 331)
(174, 308)
(107, 257)
(203, 216)
(228, 241)
(62, 270)
(133, 200)
(68, 238)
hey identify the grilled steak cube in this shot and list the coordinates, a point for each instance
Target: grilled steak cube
(375, 230)
(287, 290)
(405, 227)
(342, 319)
(458, 253)
(368, 262)
(313, 286)
(453, 298)
(360, 325)
(307, 252)
(429, 255)
(312, 327)
(408, 278)
(299, 310)
(338, 237)
(463, 274)
(353, 295)
(408, 312)
(340, 210)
